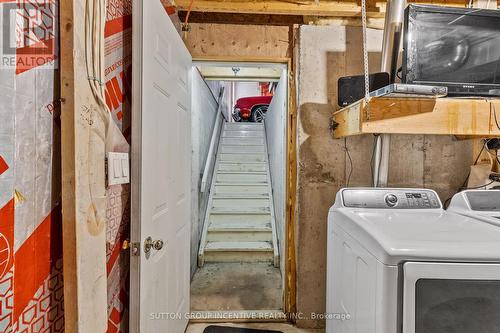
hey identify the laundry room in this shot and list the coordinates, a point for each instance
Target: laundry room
(228, 166)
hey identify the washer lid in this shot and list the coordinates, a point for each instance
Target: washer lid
(483, 205)
(393, 236)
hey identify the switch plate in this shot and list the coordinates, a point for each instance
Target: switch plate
(118, 168)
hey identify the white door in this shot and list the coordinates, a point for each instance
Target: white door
(161, 173)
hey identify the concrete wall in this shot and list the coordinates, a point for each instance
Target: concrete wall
(203, 113)
(324, 54)
(276, 132)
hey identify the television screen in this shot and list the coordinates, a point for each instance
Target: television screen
(452, 46)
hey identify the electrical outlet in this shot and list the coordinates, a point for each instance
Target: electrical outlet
(118, 168)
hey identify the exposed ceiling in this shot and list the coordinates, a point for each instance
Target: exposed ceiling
(323, 8)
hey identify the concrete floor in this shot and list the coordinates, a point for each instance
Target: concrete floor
(285, 328)
(236, 286)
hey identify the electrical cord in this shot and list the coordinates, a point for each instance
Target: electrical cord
(351, 167)
(186, 20)
(398, 73)
(475, 162)
(95, 20)
(375, 136)
(492, 107)
(477, 187)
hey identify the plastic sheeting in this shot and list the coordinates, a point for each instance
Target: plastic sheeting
(30, 218)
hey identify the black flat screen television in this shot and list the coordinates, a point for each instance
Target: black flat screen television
(454, 47)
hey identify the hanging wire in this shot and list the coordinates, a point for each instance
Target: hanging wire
(351, 164)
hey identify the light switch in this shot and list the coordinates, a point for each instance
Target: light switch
(125, 171)
(118, 168)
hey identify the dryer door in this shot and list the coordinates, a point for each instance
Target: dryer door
(451, 297)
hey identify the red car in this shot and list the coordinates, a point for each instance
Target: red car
(251, 108)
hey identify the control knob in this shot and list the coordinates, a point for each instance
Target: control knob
(391, 200)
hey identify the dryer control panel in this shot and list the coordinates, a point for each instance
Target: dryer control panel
(390, 198)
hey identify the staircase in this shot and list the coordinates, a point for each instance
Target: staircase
(239, 222)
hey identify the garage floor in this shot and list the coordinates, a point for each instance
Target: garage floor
(285, 328)
(236, 286)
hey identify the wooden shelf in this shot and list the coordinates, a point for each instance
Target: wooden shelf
(441, 116)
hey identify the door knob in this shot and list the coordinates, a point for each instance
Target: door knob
(149, 244)
(158, 244)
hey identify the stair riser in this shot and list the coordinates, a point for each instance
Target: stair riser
(242, 167)
(260, 189)
(242, 158)
(241, 203)
(245, 142)
(243, 149)
(237, 236)
(241, 178)
(244, 127)
(254, 219)
(238, 256)
(243, 134)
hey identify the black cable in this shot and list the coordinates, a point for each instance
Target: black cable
(400, 70)
(447, 202)
(373, 155)
(492, 105)
(475, 162)
(477, 187)
(350, 161)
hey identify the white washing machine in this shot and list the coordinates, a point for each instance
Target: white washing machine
(399, 263)
(483, 205)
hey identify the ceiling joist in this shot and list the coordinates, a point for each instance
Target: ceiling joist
(322, 8)
(276, 7)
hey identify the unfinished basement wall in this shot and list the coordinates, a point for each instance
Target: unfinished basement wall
(203, 114)
(219, 41)
(118, 78)
(324, 54)
(31, 279)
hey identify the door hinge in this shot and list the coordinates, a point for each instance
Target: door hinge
(135, 247)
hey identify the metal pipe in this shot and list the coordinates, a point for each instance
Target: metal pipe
(393, 34)
(391, 46)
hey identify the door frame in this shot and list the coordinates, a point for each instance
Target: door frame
(290, 287)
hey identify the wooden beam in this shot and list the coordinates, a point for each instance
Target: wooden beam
(276, 7)
(445, 116)
(83, 191)
(242, 19)
(325, 8)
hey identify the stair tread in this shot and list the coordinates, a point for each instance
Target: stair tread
(241, 195)
(245, 162)
(240, 184)
(222, 172)
(239, 246)
(239, 211)
(244, 153)
(240, 226)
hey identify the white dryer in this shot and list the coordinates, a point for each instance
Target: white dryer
(399, 263)
(483, 205)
